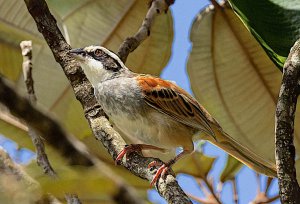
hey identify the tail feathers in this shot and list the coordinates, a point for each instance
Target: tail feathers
(242, 153)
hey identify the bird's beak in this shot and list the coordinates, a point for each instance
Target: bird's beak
(78, 53)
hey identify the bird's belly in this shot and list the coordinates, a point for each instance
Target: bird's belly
(125, 106)
(155, 129)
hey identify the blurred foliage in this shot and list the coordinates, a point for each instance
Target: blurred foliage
(232, 76)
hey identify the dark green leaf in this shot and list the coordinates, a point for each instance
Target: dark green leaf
(274, 23)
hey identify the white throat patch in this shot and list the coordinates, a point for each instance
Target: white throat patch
(94, 71)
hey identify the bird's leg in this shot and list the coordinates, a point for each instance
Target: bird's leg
(161, 171)
(134, 148)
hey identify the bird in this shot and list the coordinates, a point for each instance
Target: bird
(157, 112)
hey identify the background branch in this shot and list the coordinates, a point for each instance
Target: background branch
(43, 124)
(131, 43)
(41, 158)
(54, 134)
(285, 114)
(112, 141)
(8, 166)
(16, 185)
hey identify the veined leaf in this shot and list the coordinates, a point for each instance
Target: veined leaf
(196, 164)
(234, 79)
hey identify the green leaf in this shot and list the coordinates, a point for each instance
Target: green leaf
(232, 167)
(274, 23)
(196, 164)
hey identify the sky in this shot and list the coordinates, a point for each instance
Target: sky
(184, 11)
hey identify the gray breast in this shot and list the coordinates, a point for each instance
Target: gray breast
(120, 96)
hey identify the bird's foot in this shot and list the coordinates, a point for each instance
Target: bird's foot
(161, 171)
(127, 150)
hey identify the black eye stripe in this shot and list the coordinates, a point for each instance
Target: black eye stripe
(108, 62)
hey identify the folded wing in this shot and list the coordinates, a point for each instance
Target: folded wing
(170, 99)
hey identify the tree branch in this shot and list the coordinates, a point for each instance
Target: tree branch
(43, 124)
(235, 191)
(112, 141)
(41, 158)
(284, 122)
(68, 146)
(131, 43)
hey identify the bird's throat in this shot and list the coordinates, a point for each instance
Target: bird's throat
(95, 73)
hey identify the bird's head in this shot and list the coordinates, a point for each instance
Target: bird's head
(98, 63)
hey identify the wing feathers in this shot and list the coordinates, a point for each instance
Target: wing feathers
(168, 98)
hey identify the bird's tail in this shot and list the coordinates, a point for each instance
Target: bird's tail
(242, 153)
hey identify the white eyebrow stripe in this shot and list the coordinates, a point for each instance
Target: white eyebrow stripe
(111, 54)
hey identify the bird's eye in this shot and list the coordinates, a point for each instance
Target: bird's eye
(98, 52)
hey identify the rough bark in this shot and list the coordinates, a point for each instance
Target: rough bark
(112, 141)
(131, 43)
(285, 114)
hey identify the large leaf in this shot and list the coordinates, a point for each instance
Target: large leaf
(274, 23)
(235, 80)
(196, 164)
(232, 167)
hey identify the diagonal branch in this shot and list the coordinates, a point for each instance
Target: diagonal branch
(131, 43)
(112, 141)
(79, 154)
(68, 146)
(43, 124)
(289, 189)
(42, 158)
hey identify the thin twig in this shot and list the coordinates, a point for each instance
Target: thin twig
(203, 187)
(235, 191)
(131, 43)
(269, 182)
(41, 158)
(103, 131)
(200, 200)
(273, 199)
(257, 175)
(211, 188)
(289, 189)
